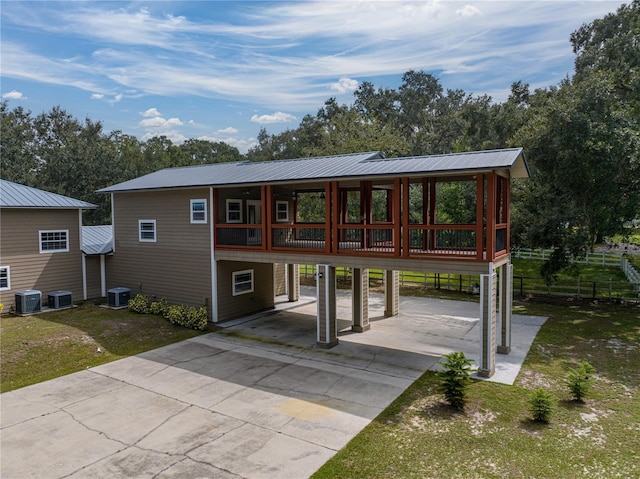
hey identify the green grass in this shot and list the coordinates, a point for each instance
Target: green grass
(45, 346)
(419, 436)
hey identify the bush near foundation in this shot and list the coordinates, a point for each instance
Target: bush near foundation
(188, 316)
(182, 315)
(139, 304)
(159, 307)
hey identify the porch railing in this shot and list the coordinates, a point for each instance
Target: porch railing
(355, 239)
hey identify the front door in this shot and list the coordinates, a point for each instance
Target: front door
(254, 217)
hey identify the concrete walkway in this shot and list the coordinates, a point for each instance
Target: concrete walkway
(225, 406)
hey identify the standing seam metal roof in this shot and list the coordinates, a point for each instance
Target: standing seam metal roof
(360, 165)
(14, 195)
(97, 239)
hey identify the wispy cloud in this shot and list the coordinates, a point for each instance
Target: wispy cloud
(277, 54)
(228, 130)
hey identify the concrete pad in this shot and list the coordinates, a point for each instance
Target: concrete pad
(225, 406)
(126, 415)
(131, 462)
(252, 451)
(188, 468)
(54, 445)
(188, 430)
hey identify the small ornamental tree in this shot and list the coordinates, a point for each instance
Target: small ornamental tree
(541, 405)
(455, 377)
(580, 380)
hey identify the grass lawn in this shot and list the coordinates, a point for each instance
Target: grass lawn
(45, 346)
(419, 436)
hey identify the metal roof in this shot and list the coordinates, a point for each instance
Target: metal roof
(357, 165)
(13, 195)
(97, 239)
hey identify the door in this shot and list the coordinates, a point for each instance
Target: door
(254, 217)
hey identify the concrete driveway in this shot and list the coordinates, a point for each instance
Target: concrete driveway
(254, 401)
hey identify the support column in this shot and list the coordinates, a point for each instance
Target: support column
(391, 293)
(505, 299)
(293, 282)
(360, 294)
(326, 302)
(488, 306)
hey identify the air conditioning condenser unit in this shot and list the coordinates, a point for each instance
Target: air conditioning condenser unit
(60, 299)
(118, 297)
(28, 301)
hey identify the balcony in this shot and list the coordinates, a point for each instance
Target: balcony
(410, 218)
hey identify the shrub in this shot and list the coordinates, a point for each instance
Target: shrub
(188, 316)
(139, 304)
(455, 376)
(541, 405)
(579, 380)
(159, 307)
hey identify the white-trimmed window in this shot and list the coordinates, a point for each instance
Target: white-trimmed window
(5, 278)
(234, 211)
(282, 211)
(147, 231)
(198, 211)
(54, 241)
(242, 282)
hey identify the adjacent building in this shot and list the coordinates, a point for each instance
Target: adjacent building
(40, 242)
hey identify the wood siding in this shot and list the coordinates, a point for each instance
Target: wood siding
(177, 266)
(280, 278)
(93, 277)
(30, 269)
(231, 307)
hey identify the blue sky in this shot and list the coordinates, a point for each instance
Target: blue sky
(222, 70)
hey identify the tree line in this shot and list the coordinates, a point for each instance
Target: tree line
(581, 139)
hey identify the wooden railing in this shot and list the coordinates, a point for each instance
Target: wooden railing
(445, 240)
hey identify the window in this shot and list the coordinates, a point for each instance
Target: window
(282, 211)
(242, 282)
(198, 211)
(147, 231)
(54, 241)
(5, 278)
(234, 211)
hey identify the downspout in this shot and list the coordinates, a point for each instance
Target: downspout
(214, 270)
(103, 276)
(84, 261)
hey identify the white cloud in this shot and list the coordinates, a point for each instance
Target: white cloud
(277, 117)
(151, 113)
(345, 85)
(97, 96)
(117, 98)
(160, 123)
(14, 95)
(175, 136)
(468, 11)
(242, 144)
(228, 130)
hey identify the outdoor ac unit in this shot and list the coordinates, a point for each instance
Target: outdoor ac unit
(118, 297)
(60, 299)
(29, 301)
